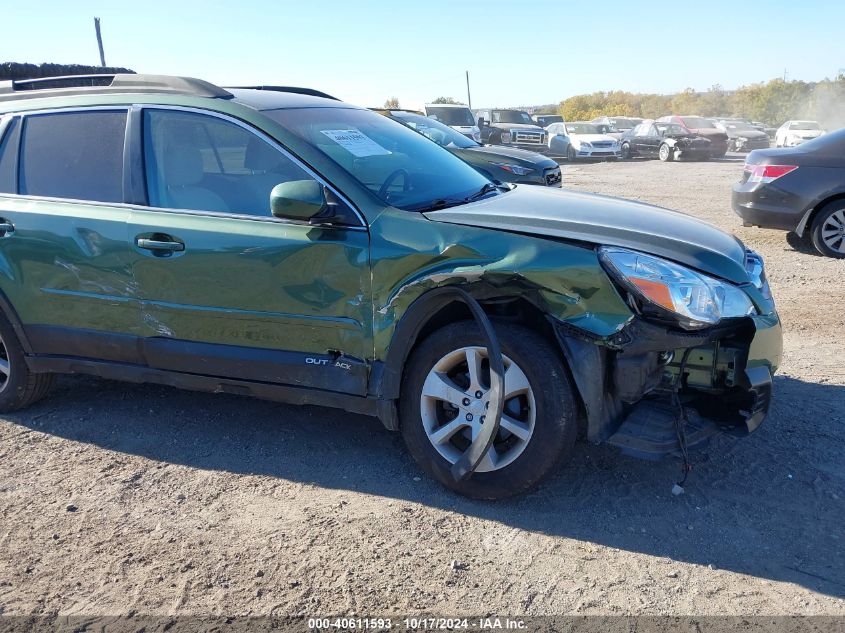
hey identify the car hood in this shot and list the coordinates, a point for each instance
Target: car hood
(689, 137)
(591, 138)
(597, 219)
(492, 152)
(747, 134)
(804, 133)
(709, 132)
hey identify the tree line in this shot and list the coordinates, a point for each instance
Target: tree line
(772, 102)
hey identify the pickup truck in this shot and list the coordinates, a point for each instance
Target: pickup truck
(511, 127)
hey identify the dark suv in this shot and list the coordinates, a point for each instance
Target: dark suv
(511, 127)
(274, 243)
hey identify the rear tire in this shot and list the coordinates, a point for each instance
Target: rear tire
(19, 387)
(544, 409)
(665, 153)
(828, 231)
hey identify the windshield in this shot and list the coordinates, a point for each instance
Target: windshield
(452, 116)
(441, 134)
(670, 128)
(550, 118)
(696, 122)
(623, 123)
(804, 125)
(401, 167)
(511, 116)
(582, 128)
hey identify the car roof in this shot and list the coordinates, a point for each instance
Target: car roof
(446, 105)
(262, 97)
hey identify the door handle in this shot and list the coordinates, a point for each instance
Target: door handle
(157, 245)
(6, 228)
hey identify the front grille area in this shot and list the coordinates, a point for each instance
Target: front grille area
(603, 144)
(553, 177)
(529, 138)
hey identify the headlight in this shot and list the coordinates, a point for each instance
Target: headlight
(514, 169)
(506, 137)
(583, 144)
(742, 139)
(693, 300)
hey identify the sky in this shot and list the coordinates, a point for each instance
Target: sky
(517, 53)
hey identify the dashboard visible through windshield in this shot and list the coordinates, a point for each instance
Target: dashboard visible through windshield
(400, 166)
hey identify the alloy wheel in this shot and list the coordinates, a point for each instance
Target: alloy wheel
(833, 231)
(5, 369)
(453, 406)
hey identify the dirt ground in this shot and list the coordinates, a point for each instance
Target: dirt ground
(121, 498)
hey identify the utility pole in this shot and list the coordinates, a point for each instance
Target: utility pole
(100, 42)
(469, 98)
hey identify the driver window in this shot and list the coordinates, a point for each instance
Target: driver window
(203, 163)
(642, 129)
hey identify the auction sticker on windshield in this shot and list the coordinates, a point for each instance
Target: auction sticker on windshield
(356, 142)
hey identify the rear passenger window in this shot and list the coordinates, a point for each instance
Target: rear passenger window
(75, 155)
(9, 158)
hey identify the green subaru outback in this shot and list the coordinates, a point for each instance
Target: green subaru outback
(277, 243)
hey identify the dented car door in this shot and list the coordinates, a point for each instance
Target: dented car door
(226, 288)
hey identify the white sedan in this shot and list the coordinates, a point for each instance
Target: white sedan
(581, 140)
(794, 133)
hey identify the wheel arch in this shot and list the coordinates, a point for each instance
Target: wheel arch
(11, 315)
(810, 215)
(437, 308)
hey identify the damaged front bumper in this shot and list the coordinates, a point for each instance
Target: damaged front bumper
(722, 378)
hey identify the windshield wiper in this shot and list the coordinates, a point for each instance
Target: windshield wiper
(487, 188)
(436, 205)
(445, 203)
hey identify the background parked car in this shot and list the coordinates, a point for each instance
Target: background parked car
(798, 189)
(457, 116)
(511, 127)
(545, 120)
(504, 164)
(764, 127)
(664, 140)
(742, 135)
(580, 139)
(702, 127)
(794, 133)
(620, 124)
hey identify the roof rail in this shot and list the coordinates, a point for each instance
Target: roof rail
(104, 84)
(300, 91)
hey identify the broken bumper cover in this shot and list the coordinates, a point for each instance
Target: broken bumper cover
(626, 380)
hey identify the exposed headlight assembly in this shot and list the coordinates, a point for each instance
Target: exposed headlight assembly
(665, 289)
(514, 169)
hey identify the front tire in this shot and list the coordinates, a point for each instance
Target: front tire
(539, 424)
(570, 154)
(625, 151)
(665, 153)
(828, 231)
(19, 387)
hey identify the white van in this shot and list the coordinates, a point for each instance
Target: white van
(456, 116)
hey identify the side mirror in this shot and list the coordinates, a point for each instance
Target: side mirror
(482, 122)
(297, 200)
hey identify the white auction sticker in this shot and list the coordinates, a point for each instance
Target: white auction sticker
(356, 142)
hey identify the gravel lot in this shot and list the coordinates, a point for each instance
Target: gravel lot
(117, 498)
